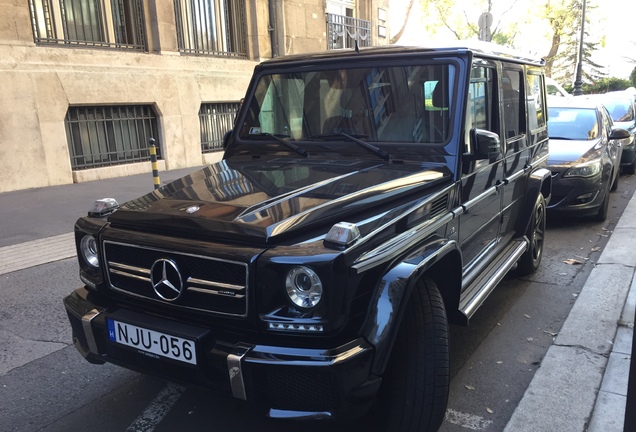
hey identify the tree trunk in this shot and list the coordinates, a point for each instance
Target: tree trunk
(399, 34)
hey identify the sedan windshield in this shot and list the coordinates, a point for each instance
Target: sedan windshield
(573, 123)
(621, 110)
(407, 104)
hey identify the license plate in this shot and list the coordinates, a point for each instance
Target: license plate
(152, 342)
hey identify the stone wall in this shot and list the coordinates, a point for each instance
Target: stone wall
(38, 83)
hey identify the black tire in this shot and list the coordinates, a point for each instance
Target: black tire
(530, 260)
(414, 391)
(601, 216)
(631, 168)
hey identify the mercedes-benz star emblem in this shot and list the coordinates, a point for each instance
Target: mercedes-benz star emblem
(166, 279)
(192, 209)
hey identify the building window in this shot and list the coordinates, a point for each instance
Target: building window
(97, 23)
(215, 120)
(110, 135)
(211, 27)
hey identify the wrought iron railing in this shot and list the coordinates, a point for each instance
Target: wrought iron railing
(344, 31)
(211, 27)
(110, 135)
(115, 24)
(215, 120)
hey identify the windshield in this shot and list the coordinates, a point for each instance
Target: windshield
(378, 104)
(573, 123)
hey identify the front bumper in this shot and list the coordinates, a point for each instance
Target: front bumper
(567, 193)
(287, 382)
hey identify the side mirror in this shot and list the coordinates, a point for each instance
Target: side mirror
(619, 133)
(486, 144)
(226, 139)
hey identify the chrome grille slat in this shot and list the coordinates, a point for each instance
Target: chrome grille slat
(215, 292)
(213, 285)
(131, 275)
(196, 281)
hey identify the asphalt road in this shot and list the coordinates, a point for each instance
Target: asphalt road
(493, 360)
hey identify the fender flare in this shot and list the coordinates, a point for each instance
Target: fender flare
(539, 182)
(391, 295)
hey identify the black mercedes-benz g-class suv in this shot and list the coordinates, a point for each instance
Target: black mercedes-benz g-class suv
(365, 199)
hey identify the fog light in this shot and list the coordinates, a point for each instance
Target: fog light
(88, 249)
(304, 287)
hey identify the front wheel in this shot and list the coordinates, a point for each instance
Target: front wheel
(530, 260)
(414, 390)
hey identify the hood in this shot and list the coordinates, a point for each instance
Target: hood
(570, 152)
(260, 201)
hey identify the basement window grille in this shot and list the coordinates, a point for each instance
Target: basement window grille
(215, 120)
(101, 136)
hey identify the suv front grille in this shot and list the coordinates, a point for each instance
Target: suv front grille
(209, 284)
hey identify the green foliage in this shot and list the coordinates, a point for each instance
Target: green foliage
(565, 20)
(632, 77)
(602, 85)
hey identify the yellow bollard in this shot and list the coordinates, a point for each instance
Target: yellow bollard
(153, 161)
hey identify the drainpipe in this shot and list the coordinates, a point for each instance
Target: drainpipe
(272, 27)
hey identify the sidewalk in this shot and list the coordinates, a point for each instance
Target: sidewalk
(580, 386)
(46, 216)
(582, 382)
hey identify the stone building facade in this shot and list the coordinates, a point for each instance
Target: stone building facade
(85, 84)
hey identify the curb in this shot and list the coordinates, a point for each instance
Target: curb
(582, 380)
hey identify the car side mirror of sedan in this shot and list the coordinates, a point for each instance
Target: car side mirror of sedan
(619, 133)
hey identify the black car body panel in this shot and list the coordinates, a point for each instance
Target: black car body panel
(281, 274)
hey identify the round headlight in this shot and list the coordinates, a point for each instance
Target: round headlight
(304, 287)
(88, 248)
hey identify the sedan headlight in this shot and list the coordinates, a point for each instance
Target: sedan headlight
(88, 249)
(587, 169)
(303, 287)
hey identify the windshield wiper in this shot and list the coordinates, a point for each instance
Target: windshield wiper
(373, 149)
(301, 151)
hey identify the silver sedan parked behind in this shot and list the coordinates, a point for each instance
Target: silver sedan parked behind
(585, 154)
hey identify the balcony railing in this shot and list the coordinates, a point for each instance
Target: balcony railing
(344, 31)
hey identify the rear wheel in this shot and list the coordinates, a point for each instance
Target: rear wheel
(530, 260)
(415, 386)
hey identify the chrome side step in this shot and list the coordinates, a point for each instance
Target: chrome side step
(475, 294)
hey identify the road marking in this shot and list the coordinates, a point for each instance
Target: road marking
(468, 421)
(158, 408)
(30, 254)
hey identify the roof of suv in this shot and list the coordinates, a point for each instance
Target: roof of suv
(485, 49)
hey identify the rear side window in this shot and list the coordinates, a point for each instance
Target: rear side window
(513, 109)
(534, 101)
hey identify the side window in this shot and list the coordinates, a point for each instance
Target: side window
(534, 101)
(482, 112)
(513, 109)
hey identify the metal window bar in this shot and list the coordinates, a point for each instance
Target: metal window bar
(215, 119)
(109, 135)
(84, 25)
(211, 27)
(343, 31)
